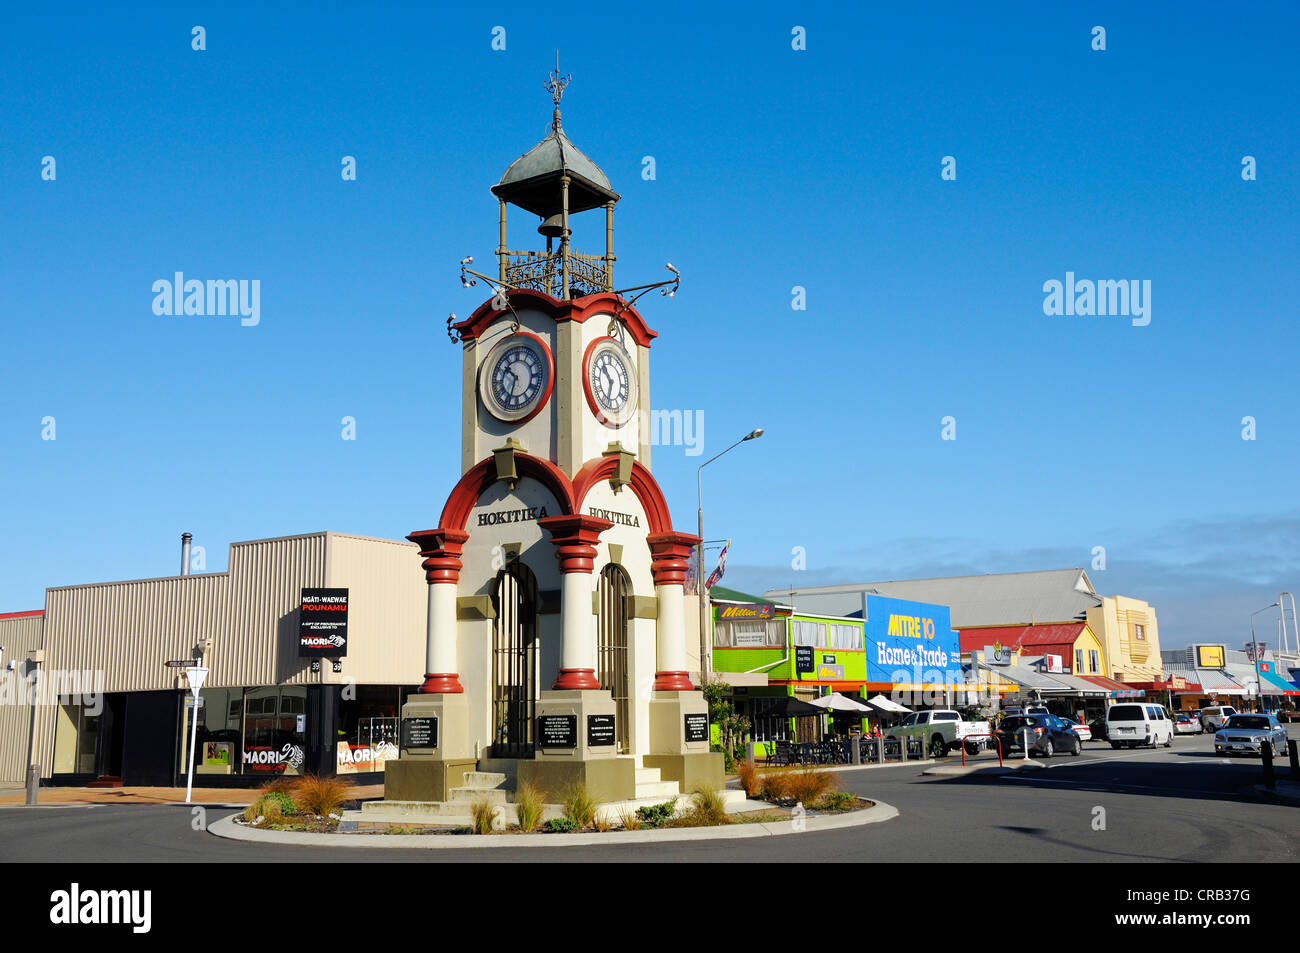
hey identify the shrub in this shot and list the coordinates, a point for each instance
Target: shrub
(559, 825)
(280, 785)
(483, 813)
(748, 776)
(269, 807)
(808, 785)
(836, 801)
(579, 805)
(656, 815)
(775, 786)
(316, 795)
(707, 808)
(528, 802)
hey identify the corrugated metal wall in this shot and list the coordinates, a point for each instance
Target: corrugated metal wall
(18, 636)
(128, 629)
(387, 609)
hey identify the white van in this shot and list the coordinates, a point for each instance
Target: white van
(1134, 723)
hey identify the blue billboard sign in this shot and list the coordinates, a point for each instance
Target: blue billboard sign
(910, 642)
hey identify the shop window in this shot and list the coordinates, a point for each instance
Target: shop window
(75, 738)
(767, 727)
(845, 636)
(812, 634)
(274, 736)
(369, 730)
(747, 634)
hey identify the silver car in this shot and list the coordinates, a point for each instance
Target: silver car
(1246, 734)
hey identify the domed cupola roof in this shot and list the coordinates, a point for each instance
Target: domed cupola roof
(532, 182)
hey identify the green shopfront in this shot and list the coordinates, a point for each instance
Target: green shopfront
(906, 651)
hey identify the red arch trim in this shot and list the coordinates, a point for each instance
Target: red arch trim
(579, 309)
(643, 485)
(465, 495)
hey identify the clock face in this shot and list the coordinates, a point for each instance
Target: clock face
(609, 379)
(517, 377)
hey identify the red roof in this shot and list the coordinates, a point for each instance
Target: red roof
(19, 615)
(1039, 637)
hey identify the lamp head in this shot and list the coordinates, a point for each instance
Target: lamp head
(756, 432)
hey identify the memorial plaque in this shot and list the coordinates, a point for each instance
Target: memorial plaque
(803, 659)
(697, 726)
(420, 732)
(600, 731)
(557, 731)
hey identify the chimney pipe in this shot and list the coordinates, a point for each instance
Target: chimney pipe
(185, 553)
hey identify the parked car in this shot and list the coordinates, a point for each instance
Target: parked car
(1212, 718)
(1083, 731)
(1135, 724)
(1048, 734)
(1247, 734)
(1185, 724)
(941, 730)
(1098, 728)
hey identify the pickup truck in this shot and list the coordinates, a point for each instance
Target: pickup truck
(942, 730)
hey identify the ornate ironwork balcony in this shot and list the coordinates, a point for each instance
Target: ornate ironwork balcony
(588, 274)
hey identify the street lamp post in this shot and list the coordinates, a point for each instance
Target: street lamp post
(706, 654)
(1259, 681)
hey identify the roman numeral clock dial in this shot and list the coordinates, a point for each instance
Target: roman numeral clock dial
(609, 381)
(517, 378)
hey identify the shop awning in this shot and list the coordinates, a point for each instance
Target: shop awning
(1113, 688)
(1026, 677)
(1079, 687)
(1217, 681)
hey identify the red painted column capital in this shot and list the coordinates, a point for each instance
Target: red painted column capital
(670, 557)
(440, 549)
(575, 539)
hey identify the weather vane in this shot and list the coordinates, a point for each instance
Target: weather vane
(555, 85)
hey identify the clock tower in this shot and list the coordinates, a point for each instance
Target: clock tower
(556, 643)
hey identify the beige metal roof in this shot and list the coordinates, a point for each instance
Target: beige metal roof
(1025, 598)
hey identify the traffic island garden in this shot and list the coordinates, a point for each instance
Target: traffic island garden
(776, 798)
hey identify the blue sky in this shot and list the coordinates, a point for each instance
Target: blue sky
(775, 168)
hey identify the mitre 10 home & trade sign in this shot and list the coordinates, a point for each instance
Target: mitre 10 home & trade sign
(323, 623)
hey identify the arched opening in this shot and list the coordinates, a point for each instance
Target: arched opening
(514, 662)
(613, 670)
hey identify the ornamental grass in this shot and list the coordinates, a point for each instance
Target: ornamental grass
(321, 796)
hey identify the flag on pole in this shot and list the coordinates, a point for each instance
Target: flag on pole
(716, 575)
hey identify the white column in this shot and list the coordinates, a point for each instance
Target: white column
(671, 628)
(440, 656)
(577, 622)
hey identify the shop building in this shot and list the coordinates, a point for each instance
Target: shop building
(109, 707)
(904, 650)
(20, 639)
(1125, 628)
